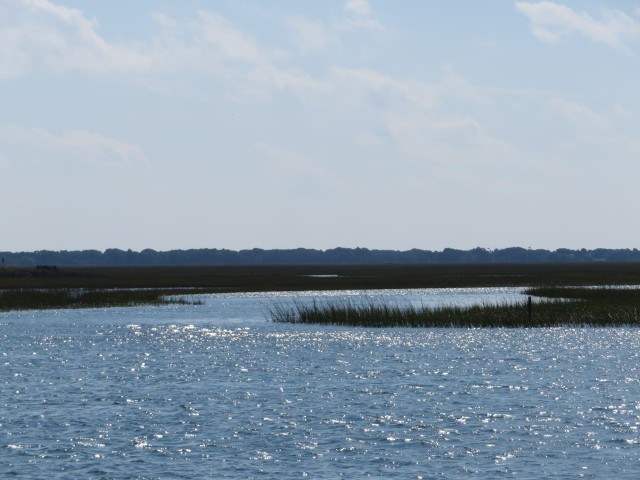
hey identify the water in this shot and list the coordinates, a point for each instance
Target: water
(217, 391)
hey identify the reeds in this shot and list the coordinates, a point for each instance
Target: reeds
(41, 299)
(587, 307)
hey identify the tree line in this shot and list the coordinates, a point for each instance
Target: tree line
(305, 256)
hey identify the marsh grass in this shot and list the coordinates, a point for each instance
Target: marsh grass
(609, 295)
(560, 307)
(254, 278)
(41, 299)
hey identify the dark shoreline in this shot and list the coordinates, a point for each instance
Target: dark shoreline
(323, 277)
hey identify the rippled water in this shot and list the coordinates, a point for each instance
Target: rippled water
(217, 391)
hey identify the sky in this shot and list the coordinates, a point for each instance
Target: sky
(319, 124)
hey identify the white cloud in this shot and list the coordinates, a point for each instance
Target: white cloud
(13, 61)
(316, 35)
(415, 118)
(40, 35)
(448, 140)
(551, 21)
(359, 7)
(578, 114)
(229, 42)
(163, 20)
(307, 173)
(48, 36)
(362, 16)
(67, 15)
(309, 35)
(100, 149)
(621, 112)
(354, 83)
(27, 144)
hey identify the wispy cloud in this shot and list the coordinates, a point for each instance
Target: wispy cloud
(40, 35)
(304, 170)
(229, 42)
(314, 35)
(358, 82)
(29, 144)
(359, 7)
(43, 36)
(578, 114)
(309, 35)
(551, 21)
(361, 15)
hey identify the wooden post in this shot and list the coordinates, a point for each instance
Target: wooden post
(530, 309)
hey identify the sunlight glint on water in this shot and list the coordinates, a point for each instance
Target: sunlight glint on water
(217, 390)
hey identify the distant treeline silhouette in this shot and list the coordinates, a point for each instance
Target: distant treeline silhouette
(304, 256)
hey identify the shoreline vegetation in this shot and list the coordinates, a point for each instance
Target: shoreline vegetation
(47, 299)
(559, 306)
(103, 287)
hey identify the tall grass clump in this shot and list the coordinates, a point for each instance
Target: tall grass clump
(379, 314)
(582, 307)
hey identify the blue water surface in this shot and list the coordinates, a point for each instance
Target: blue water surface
(218, 391)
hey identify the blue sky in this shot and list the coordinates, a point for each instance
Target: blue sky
(396, 125)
